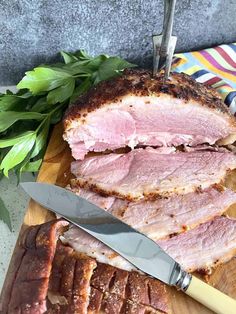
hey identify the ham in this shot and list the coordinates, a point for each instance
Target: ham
(148, 173)
(53, 278)
(158, 187)
(162, 217)
(202, 248)
(118, 291)
(105, 202)
(137, 109)
(207, 246)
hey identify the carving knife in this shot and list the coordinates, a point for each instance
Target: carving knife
(134, 246)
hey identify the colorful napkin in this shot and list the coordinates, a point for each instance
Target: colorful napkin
(213, 66)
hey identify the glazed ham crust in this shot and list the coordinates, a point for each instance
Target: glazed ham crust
(137, 109)
(27, 287)
(52, 278)
(141, 83)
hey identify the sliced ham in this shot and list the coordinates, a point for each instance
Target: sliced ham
(147, 173)
(137, 109)
(105, 202)
(201, 248)
(162, 217)
(207, 246)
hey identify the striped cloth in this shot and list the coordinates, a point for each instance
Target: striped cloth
(213, 66)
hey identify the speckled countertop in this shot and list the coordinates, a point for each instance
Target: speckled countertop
(16, 201)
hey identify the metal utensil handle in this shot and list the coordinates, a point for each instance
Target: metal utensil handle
(164, 44)
(167, 26)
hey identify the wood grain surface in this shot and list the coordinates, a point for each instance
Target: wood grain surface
(56, 170)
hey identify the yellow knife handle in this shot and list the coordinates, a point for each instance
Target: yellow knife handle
(210, 297)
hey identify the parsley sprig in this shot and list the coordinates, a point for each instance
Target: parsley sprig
(43, 95)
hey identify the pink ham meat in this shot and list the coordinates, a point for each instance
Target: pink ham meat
(162, 217)
(201, 248)
(137, 109)
(147, 173)
(207, 246)
(104, 202)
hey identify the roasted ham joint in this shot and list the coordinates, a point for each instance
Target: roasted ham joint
(156, 155)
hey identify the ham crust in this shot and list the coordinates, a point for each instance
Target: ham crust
(53, 278)
(141, 83)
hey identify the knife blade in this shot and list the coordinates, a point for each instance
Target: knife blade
(134, 246)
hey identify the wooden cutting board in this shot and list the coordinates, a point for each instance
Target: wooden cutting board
(56, 170)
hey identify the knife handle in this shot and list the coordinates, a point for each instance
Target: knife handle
(210, 297)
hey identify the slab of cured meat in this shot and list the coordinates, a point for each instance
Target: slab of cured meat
(180, 118)
(137, 109)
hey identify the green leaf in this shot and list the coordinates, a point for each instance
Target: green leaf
(8, 92)
(85, 67)
(18, 153)
(78, 69)
(38, 150)
(82, 55)
(4, 214)
(9, 101)
(13, 140)
(81, 89)
(43, 79)
(44, 93)
(68, 57)
(94, 63)
(7, 118)
(23, 93)
(57, 115)
(61, 93)
(32, 166)
(18, 169)
(111, 67)
(40, 105)
(41, 139)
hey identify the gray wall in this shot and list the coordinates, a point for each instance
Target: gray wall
(33, 31)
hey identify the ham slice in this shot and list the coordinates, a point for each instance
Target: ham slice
(207, 246)
(147, 173)
(137, 109)
(163, 217)
(105, 202)
(201, 248)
